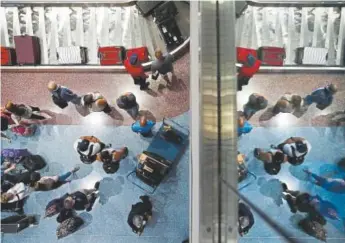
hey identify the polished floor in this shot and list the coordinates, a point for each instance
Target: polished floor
(107, 222)
(328, 148)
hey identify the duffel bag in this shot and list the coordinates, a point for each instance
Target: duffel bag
(33, 162)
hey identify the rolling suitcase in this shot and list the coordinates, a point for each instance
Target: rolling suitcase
(111, 55)
(147, 7)
(171, 33)
(16, 223)
(8, 56)
(165, 11)
(142, 52)
(72, 55)
(28, 50)
(311, 56)
(272, 56)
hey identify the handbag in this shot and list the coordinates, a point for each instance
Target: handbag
(59, 102)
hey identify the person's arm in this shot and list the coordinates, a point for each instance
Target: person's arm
(9, 169)
(16, 119)
(143, 74)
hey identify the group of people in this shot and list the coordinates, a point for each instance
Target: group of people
(292, 151)
(17, 184)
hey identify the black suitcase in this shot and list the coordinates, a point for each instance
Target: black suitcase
(16, 223)
(147, 7)
(33, 162)
(165, 11)
(171, 33)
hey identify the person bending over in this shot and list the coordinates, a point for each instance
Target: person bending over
(336, 185)
(48, 183)
(140, 213)
(129, 103)
(272, 159)
(136, 70)
(63, 93)
(322, 97)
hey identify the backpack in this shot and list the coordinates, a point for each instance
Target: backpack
(272, 168)
(32, 162)
(111, 167)
(69, 226)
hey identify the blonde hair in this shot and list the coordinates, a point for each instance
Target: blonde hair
(5, 197)
(158, 53)
(101, 103)
(52, 86)
(9, 105)
(143, 121)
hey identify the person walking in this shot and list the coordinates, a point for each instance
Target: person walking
(21, 111)
(95, 102)
(136, 70)
(163, 65)
(62, 94)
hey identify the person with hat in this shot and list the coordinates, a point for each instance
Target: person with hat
(140, 213)
(63, 93)
(136, 70)
(95, 102)
(143, 126)
(163, 65)
(322, 97)
(255, 103)
(128, 102)
(111, 158)
(21, 111)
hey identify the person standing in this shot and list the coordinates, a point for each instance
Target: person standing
(322, 97)
(128, 102)
(140, 214)
(143, 126)
(63, 93)
(21, 111)
(288, 103)
(95, 102)
(163, 65)
(136, 70)
(255, 103)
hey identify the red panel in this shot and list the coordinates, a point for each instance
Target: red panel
(111, 55)
(5, 56)
(142, 52)
(273, 56)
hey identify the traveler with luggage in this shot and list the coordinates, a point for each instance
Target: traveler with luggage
(82, 199)
(255, 103)
(95, 102)
(48, 183)
(88, 147)
(244, 126)
(163, 65)
(24, 129)
(128, 102)
(322, 97)
(296, 148)
(21, 111)
(140, 214)
(136, 70)
(111, 158)
(288, 103)
(272, 159)
(250, 66)
(143, 126)
(61, 95)
(245, 219)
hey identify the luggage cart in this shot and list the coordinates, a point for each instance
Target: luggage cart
(158, 159)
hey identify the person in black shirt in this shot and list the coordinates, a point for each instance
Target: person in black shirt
(140, 213)
(245, 219)
(128, 102)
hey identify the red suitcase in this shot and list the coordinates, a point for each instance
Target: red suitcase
(28, 50)
(8, 56)
(272, 56)
(242, 54)
(111, 55)
(142, 52)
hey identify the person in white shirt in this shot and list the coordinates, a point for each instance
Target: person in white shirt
(296, 148)
(88, 147)
(95, 102)
(16, 193)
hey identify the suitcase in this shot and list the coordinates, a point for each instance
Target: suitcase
(8, 56)
(142, 52)
(16, 223)
(165, 11)
(28, 50)
(170, 33)
(242, 54)
(111, 55)
(147, 7)
(72, 55)
(311, 56)
(272, 56)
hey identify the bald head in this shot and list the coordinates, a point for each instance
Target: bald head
(102, 103)
(52, 86)
(158, 53)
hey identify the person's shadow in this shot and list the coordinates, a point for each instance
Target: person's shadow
(177, 85)
(116, 115)
(82, 110)
(267, 115)
(152, 92)
(272, 189)
(110, 187)
(57, 118)
(148, 114)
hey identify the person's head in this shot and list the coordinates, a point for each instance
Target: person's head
(243, 221)
(250, 60)
(159, 54)
(301, 147)
(241, 121)
(133, 59)
(88, 99)
(260, 99)
(10, 106)
(34, 177)
(296, 100)
(83, 145)
(68, 203)
(143, 121)
(332, 88)
(4, 124)
(281, 105)
(105, 156)
(138, 221)
(101, 103)
(6, 197)
(52, 86)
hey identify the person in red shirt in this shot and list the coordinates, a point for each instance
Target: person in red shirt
(136, 70)
(250, 66)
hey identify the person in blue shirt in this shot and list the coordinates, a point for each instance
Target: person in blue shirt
(336, 185)
(63, 93)
(243, 126)
(322, 97)
(143, 126)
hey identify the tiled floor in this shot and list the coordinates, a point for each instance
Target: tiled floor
(107, 222)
